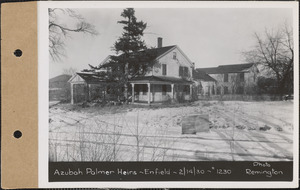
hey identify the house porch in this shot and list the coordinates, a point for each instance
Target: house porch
(88, 86)
(155, 89)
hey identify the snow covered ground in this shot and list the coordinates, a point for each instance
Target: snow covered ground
(239, 131)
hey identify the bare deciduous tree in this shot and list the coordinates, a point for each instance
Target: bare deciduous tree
(59, 31)
(275, 51)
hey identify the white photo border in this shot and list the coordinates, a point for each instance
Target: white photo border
(43, 73)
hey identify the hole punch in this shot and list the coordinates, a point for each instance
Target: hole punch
(18, 53)
(17, 134)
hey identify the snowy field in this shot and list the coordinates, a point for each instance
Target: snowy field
(238, 131)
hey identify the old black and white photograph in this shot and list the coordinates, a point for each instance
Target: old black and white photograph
(171, 84)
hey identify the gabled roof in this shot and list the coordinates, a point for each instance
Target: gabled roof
(200, 75)
(105, 60)
(155, 51)
(60, 78)
(161, 51)
(236, 68)
(173, 47)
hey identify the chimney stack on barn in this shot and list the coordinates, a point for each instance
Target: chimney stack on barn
(159, 42)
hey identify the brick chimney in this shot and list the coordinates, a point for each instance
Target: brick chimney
(159, 42)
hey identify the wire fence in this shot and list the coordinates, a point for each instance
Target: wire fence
(104, 141)
(131, 137)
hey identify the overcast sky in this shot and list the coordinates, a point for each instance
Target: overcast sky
(209, 37)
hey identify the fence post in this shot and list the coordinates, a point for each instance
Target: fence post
(137, 138)
(72, 93)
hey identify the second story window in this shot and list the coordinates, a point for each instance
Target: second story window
(183, 71)
(226, 77)
(164, 69)
(174, 55)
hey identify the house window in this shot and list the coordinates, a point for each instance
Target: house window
(183, 71)
(137, 89)
(186, 71)
(164, 89)
(164, 69)
(226, 77)
(242, 77)
(174, 55)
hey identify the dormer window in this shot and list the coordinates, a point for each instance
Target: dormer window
(174, 55)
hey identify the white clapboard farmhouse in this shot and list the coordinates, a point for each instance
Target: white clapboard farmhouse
(171, 77)
(168, 79)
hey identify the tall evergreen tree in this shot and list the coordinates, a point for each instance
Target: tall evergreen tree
(131, 59)
(129, 44)
(130, 41)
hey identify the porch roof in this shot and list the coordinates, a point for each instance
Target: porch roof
(160, 80)
(91, 78)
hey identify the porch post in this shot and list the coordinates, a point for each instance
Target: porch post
(191, 91)
(148, 84)
(72, 94)
(172, 90)
(132, 92)
(104, 91)
(90, 95)
(215, 86)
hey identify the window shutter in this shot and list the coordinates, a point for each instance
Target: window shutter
(186, 72)
(180, 71)
(164, 69)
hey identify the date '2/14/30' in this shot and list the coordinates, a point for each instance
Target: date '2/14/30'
(187, 171)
